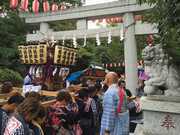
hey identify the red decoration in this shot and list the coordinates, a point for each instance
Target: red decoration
(94, 20)
(54, 7)
(100, 20)
(110, 65)
(46, 7)
(35, 6)
(167, 122)
(107, 65)
(117, 19)
(108, 20)
(24, 5)
(63, 7)
(138, 17)
(13, 3)
(120, 19)
(149, 40)
(114, 20)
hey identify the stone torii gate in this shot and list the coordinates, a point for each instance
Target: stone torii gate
(125, 8)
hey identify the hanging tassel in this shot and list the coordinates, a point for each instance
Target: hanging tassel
(109, 38)
(74, 42)
(85, 39)
(63, 42)
(122, 34)
(98, 42)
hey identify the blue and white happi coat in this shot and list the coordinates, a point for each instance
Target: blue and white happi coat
(116, 123)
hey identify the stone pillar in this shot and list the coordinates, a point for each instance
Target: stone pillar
(130, 53)
(81, 24)
(44, 27)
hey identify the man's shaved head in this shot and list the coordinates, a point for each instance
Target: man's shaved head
(111, 78)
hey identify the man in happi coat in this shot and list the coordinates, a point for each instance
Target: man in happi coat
(115, 118)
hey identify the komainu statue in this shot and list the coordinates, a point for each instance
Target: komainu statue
(164, 78)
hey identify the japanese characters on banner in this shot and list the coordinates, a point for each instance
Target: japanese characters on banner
(38, 54)
(64, 55)
(33, 54)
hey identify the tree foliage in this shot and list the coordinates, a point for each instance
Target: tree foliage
(166, 13)
(12, 33)
(105, 53)
(10, 75)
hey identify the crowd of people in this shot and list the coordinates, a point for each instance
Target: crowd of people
(96, 108)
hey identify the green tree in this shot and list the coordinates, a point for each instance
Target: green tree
(104, 53)
(12, 33)
(166, 13)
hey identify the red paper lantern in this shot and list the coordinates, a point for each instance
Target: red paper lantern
(35, 6)
(112, 20)
(121, 19)
(46, 6)
(110, 65)
(54, 7)
(13, 3)
(138, 17)
(108, 20)
(100, 20)
(63, 7)
(118, 19)
(24, 5)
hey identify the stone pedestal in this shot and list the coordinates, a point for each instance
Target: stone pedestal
(161, 116)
